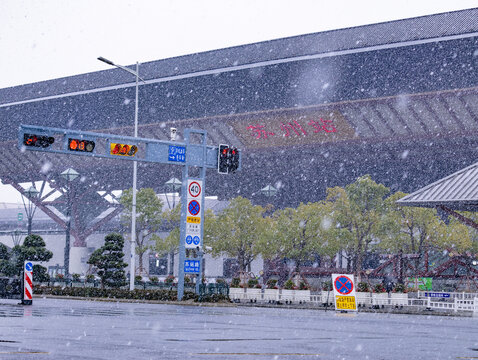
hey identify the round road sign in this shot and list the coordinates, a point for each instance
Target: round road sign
(343, 285)
(28, 266)
(194, 189)
(194, 207)
(189, 239)
(196, 240)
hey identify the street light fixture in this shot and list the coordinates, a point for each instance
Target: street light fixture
(173, 185)
(269, 191)
(135, 167)
(30, 194)
(69, 175)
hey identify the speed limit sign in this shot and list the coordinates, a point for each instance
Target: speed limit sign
(194, 188)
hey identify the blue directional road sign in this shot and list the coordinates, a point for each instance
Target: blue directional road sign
(28, 266)
(177, 153)
(191, 266)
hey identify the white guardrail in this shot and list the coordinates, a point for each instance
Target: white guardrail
(426, 299)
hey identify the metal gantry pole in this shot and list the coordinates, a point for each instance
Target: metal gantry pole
(68, 230)
(135, 175)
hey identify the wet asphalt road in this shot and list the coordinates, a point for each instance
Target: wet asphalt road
(73, 329)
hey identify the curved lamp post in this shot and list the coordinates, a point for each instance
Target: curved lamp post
(69, 175)
(135, 167)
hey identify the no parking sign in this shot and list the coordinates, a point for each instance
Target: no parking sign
(344, 292)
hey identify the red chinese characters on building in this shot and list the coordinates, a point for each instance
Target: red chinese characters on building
(293, 128)
(323, 125)
(259, 132)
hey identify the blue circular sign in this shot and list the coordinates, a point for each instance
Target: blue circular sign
(28, 266)
(189, 239)
(194, 207)
(344, 285)
(196, 240)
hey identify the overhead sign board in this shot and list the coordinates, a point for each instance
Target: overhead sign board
(344, 292)
(177, 153)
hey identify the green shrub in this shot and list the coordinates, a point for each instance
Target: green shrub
(154, 280)
(235, 282)
(252, 283)
(271, 284)
(400, 288)
(379, 288)
(289, 285)
(76, 277)
(327, 286)
(169, 280)
(363, 287)
(303, 286)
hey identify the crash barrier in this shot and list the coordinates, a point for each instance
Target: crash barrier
(455, 302)
(10, 288)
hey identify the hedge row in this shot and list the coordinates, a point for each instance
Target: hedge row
(137, 294)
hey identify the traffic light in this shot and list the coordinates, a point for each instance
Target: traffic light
(223, 159)
(42, 141)
(228, 159)
(234, 159)
(81, 145)
(123, 149)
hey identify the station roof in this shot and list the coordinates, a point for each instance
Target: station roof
(402, 97)
(458, 191)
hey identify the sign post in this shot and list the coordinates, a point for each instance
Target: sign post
(191, 154)
(27, 298)
(344, 292)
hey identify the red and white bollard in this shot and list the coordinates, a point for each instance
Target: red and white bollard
(27, 283)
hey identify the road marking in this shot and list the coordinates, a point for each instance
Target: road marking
(24, 352)
(257, 354)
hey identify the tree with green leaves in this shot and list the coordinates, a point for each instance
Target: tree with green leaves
(358, 210)
(32, 249)
(149, 218)
(108, 259)
(300, 234)
(169, 244)
(6, 266)
(237, 231)
(410, 230)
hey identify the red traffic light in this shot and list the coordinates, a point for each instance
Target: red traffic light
(81, 145)
(34, 140)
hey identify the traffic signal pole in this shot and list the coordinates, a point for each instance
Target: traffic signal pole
(190, 155)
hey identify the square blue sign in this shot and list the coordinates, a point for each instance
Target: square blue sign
(177, 153)
(191, 266)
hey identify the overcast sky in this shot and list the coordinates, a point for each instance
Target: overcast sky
(47, 39)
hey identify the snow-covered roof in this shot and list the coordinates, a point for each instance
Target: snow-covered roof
(458, 191)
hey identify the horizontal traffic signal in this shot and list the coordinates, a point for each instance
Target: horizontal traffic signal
(123, 149)
(81, 145)
(34, 140)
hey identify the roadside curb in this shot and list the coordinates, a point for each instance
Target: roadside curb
(404, 311)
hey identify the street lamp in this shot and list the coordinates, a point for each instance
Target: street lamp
(135, 167)
(269, 191)
(173, 185)
(69, 175)
(30, 194)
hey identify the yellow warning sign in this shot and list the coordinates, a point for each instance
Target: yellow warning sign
(345, 303)
(193, 220)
